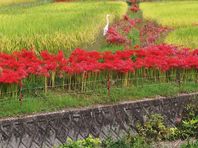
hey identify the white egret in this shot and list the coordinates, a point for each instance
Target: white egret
(106, 28)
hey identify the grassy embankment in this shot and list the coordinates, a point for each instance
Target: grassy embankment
(59, 99)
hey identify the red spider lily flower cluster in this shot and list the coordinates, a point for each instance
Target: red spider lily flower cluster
(82, 66)
(118, 33)
(134, 8)
(150, 32)
(20, 65)
(114, 37)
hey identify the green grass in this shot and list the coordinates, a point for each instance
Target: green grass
(56, 26)
(180, 15)
(59, 99)
(190, 144)
(111, 47)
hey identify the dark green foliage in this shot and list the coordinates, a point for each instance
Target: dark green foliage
(126, 142)
(89, 142)
(189, 125)
(190, 145)
(134, 36)
(154, 128)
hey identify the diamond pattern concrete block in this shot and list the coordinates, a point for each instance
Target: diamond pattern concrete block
(54, 123)
(106, 129)
(99, 117)
(46, 145)
(19, 128)
(66, 119)
(79, 136)
(1, 138)
(34, 145)
(94, 130)
(14, 140)
(9, 146)
(84, 132)
(57, 142)
(26, 139)
(39, 137)
(62, 134)
(50, 135)
(22, 146)
(6, 130)
(30, 127)
(42, 124)
(122, 133)
(103, 135)
(3, 146)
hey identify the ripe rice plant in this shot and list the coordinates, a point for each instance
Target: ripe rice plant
(186, 36)
(8, 2)
(181, 16)
(56, 26)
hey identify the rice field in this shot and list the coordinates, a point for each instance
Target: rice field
(188, 37)
(8, 2)
(55, 26)
(180, 15)
(174, 14)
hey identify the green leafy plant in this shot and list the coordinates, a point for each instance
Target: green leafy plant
(174, 134)
(154, 128)
(189, 125)
(126, 142)
(89, 142)
(190, 145)
(139, 142)
(189, 128)
(110, 143)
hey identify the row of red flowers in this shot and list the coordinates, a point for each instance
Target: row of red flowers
(20, 65)
(118, 33)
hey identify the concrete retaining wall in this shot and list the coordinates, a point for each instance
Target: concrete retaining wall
(47, 130)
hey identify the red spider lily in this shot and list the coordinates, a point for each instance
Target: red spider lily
(9, 76)
(114, 37)
(126, 17)
(123, 66)
(49, 60)
(118, 33)
(132, 22)
(31, 63)
(81, 61)
(124, 55)
(162, 58)
(150, 32)
(134, 8)
(133, 1)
